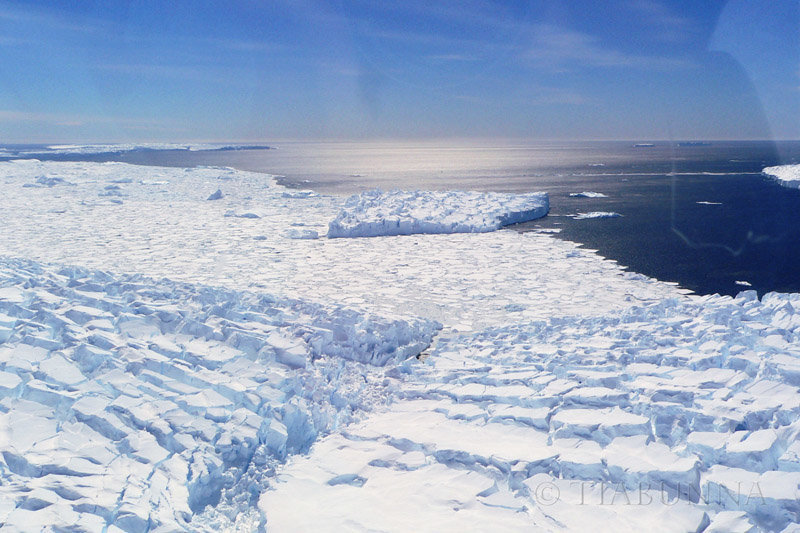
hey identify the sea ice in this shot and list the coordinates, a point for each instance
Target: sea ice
(270, 381)
(165, 228)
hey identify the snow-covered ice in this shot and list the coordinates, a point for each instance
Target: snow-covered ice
(786, 175)
(377, 213)
(199, 368)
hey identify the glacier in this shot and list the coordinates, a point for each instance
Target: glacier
(169, 363)
(786, 175)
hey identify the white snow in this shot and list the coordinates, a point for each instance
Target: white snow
(199, 369)
(376, 213)
(786, 175)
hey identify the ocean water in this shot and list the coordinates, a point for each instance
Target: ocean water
(701, 215)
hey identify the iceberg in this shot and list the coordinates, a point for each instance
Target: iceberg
(377, 213)
(597, 214)
(587, 194)
(786, 175)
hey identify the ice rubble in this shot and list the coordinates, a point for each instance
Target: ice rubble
(136, 403)
(786, 175)
(375, 213)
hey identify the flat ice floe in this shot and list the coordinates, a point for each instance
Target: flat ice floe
(786, 175)
(270, 379)
(376, 213)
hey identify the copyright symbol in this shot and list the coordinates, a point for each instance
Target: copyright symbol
(546, 493)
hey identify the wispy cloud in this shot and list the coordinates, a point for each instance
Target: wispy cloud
(531, 96)
(453, 57)
(13, 41)
(663, 23)
(150, 70)
(551, 96)
(239, 45)
(559, 48)
(478, 14)
(50, 20)
(78, 120)
(206, 73)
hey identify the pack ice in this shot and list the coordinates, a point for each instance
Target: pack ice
(213, 366)
(375, 212)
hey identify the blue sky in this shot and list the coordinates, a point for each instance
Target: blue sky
(346, 69)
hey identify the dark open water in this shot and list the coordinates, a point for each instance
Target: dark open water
(749, 231)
